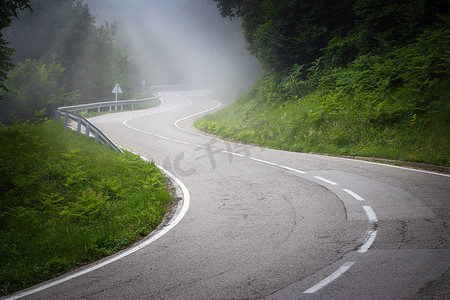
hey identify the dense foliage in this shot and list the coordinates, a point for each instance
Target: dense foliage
(64, 32)
(281, 33)
(66, 201)
(8, 11)
(378, 88)
(34, 86)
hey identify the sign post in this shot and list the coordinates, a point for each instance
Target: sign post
(117, 90)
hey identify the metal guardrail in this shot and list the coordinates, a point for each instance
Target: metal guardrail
(89, 128)
(112, 105)
(69, 112)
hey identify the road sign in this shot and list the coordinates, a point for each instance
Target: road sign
(117, 89)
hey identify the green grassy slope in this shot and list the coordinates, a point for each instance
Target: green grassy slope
(394, 105)
(66, 201)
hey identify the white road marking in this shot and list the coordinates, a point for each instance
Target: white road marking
(353, 194)
(233, 153)
(393, 166)
(193, 115)
(370, 214)
(330, 278)
(182, 142)
(325, 180)
(369, 241)
(172, 223)
(292, 169)
(264, 161)
(371, 235)
(161, 137)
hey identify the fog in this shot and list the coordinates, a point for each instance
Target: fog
(180, 42)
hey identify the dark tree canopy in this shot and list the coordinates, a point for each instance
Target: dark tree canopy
(8, 11)
(61, 57)
(282, 33)
(66, 28)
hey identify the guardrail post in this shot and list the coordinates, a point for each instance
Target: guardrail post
(98, 109)
(66, 117)
(57, 119)
(110, 108)
(87, 131)
(96, 136)
(79, 125)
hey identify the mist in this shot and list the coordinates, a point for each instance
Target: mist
(181, 42)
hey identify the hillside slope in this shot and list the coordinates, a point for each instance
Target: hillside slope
(390, 105)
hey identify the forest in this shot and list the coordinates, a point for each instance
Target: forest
(353, 77)
(54, 54)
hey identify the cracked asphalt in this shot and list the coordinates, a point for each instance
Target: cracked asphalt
(273, 224)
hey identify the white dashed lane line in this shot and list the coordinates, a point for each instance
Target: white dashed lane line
(370, 214)
(293, 170)
(353, 194)
(325, 180)
(369, 241)
(264, 161)
(336, 274)
(371, 235)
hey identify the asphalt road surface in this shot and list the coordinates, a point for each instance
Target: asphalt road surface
(259, 223)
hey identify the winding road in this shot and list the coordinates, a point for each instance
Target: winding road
(261, 223)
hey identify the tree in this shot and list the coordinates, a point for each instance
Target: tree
(67, 29)
(34, 86)
(8, 11)
(385, 24)
(281, 33)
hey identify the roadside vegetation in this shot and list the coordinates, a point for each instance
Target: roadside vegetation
(64, 201)
(67, 202)
(55, 54)
(375, 87)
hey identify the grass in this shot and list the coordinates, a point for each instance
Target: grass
(302, 126)
(393, 106)
(66, 202)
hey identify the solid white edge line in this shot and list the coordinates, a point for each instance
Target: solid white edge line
(172, 223)
(369, 241)
(392, 166)
(193, 115)
(325, 180)
(330, 278)
(370, 214)
(353, 194)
